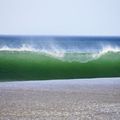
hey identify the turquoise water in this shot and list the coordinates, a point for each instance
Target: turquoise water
(38, 66)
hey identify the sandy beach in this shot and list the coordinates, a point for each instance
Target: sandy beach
(83, 99)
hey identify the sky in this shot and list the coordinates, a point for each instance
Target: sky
(60, 17)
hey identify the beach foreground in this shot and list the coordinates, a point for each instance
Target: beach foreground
(84, 99)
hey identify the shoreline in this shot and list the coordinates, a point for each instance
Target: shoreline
(98, 78)
(83, 99)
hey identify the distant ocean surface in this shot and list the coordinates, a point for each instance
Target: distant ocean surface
(47, 57)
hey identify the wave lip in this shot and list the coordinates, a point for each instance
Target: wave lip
(109, 48)
(23, 48)
(64, 54)
(27, 48)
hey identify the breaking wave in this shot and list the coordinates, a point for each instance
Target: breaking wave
(62, 58)
(65, 55)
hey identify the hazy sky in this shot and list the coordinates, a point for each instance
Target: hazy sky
(60, 17)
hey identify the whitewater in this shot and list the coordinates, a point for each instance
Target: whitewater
(66, 55)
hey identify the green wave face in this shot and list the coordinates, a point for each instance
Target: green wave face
(38, 66)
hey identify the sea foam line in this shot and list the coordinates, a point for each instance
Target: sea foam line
(28, 48)
(58, 52)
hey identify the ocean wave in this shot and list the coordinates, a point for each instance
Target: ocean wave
(31, 65)
(63, 54)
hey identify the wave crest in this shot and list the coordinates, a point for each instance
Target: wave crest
(64, 54)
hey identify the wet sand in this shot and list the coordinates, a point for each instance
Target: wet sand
(84, 99)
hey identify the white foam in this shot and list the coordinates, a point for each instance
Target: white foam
(23, 48)
(52, 51)
(109, 48)
(56, 51)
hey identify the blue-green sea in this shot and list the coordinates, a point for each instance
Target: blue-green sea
(54, 57)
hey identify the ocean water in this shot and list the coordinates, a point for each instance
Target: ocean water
(54, 57)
